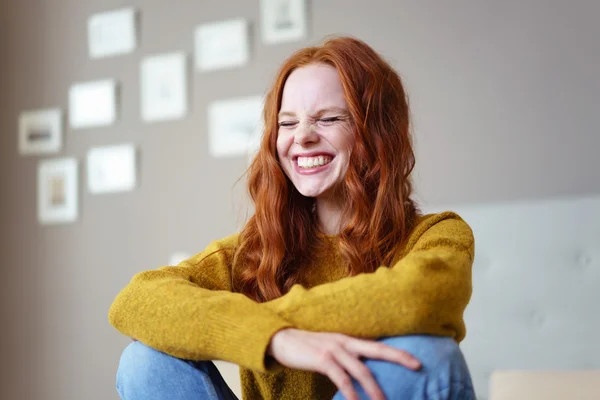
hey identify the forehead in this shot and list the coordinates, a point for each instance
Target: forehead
(311, 87)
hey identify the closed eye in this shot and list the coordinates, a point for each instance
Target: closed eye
(329, 120)
(287, 124)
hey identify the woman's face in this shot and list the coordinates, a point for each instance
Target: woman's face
(314, 140)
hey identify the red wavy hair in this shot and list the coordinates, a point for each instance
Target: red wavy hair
(282, 235)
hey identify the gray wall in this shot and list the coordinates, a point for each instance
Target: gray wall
(505, 97)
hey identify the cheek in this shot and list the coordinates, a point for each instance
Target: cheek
(279, 147)
(282, 153)
(344, 139)
(346, 145)
(283, 145)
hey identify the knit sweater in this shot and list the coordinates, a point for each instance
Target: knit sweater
(189, 311)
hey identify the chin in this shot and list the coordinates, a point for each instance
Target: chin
(312, 192)
(309, 192)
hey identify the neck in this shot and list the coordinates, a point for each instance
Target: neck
(329, 213)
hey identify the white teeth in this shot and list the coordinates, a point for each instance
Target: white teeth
(312, 162)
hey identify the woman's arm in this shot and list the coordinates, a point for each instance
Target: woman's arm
(426, 292)
(189, 312)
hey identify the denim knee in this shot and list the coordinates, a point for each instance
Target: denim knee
(432, 351)
(444, 374)
(148, 374)
(138, 364)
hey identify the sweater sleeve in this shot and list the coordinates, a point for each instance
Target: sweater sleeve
(425, 292)
(189, 312)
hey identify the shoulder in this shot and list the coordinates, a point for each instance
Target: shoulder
(212, 266)
(221, 249)
(445, 229)
(446, 221)
(229, 242)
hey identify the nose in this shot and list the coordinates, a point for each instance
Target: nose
(305, 134)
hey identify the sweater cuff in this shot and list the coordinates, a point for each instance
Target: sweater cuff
(254, 336)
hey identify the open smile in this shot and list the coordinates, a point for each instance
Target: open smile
(309, 165)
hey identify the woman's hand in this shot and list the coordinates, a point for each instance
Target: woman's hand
(337, 356)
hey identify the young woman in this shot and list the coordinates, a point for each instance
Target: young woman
(337, 283)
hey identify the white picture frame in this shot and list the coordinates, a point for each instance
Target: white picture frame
(58, 191)
(163, 85)
(235, 126)
(112, 33)
(222, 45)
(177, 257)
(93, 104)
(111, 169)
(283, 20)
(40, 131)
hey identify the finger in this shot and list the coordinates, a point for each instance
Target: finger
(339, 377)
(381, 351)
(361, 373)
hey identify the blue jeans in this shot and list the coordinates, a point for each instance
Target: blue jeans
(147, 374)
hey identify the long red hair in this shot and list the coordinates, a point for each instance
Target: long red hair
(281, 236)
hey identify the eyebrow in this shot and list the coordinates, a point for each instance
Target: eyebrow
(336, 110)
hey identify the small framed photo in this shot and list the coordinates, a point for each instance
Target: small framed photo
(164, 87)
(93, 104)
(40, 131)
(235, 126)
(283, 20)
(222, 44)
(57, 191)
(112, 33)
(177, 257)
(111, 169)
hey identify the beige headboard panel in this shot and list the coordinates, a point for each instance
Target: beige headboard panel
(536, 288)
(547, 385)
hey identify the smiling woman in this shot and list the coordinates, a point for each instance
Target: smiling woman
(337, 286)
(315, 140)
(344, 102)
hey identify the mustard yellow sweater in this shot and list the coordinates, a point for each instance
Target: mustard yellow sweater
(189, 311)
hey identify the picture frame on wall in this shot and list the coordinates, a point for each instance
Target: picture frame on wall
(111, 169)
(283, 20)
(221, 45)
(58, 191)
(40, 131)
(235, 126)
(112, 33)
(177, 257)
(93, 104)
(163, 85)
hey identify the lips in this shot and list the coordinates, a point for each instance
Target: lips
(314, 169)
(312, 154)
(313, 162)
